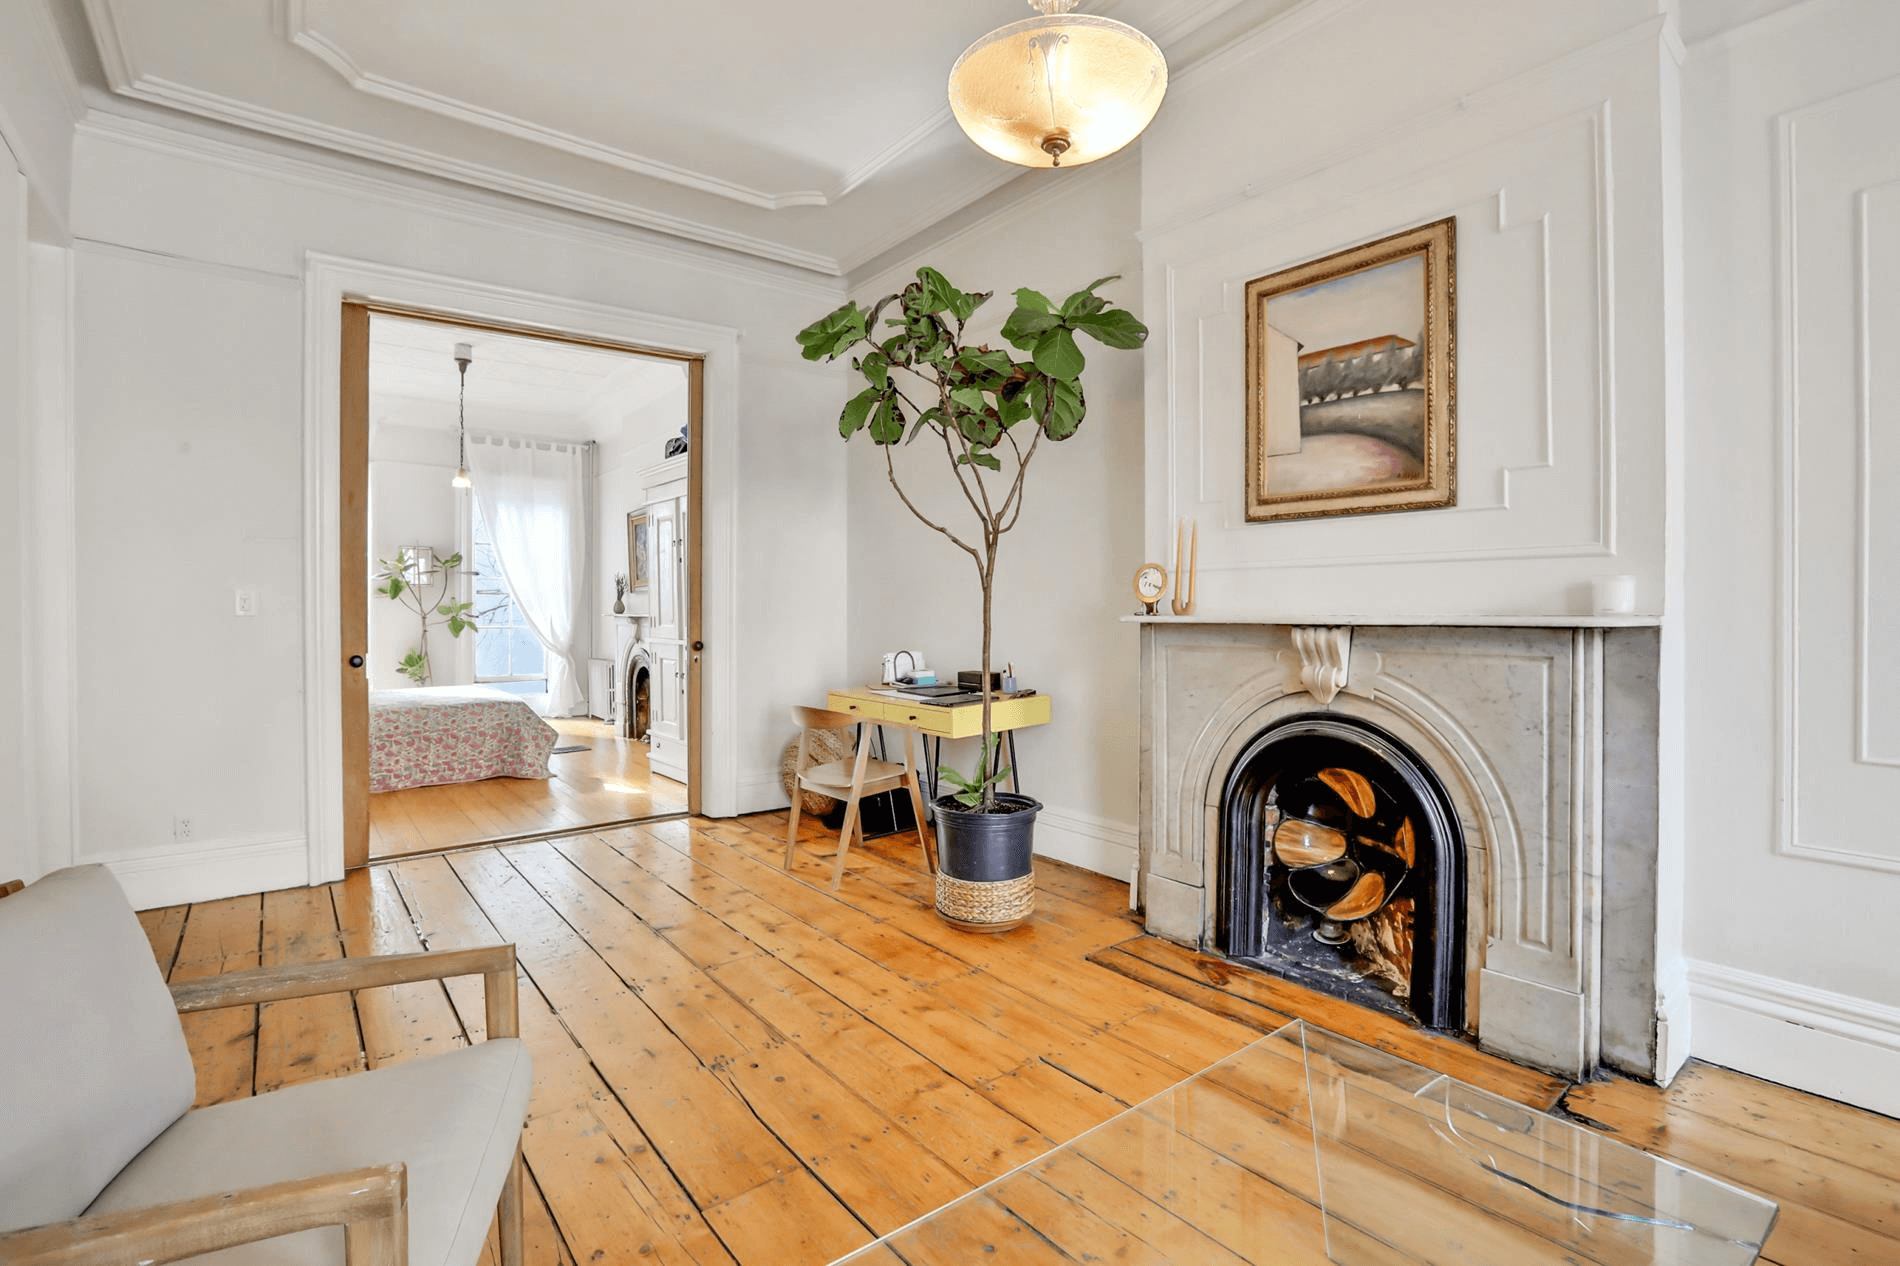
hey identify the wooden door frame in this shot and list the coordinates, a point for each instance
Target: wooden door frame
(353, 538)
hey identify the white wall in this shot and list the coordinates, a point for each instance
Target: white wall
(1063, 572)
(638, 443)
(189, 474)
(187, 454)
(18, 852)
(1793, 273)
(1539, 128)
(412, 502)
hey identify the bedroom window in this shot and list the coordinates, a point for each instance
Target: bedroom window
(506, 650)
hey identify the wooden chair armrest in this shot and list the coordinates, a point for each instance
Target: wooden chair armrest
(494, 963)
(372, 1206)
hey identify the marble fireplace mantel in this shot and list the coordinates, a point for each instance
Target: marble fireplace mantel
(1543, 730)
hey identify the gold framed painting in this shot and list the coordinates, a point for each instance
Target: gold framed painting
(1352, 380)
(639, 552)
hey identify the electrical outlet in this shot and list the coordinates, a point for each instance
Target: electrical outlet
(181, 829)
(247, 602)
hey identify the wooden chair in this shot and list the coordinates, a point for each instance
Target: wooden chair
(850, 781)
(104, 1161)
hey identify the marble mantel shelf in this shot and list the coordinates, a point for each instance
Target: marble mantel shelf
(1339, 619)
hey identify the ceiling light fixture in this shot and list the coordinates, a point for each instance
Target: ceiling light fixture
(1060, 89)
(464, 353)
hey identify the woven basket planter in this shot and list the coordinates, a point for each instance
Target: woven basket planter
(986, 879)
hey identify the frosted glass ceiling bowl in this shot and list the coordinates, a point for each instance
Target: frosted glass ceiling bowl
(1061, 89)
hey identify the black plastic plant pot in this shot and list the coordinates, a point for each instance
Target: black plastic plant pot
(986, 878)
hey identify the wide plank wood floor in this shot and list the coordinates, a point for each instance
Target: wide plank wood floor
(735, 1066)
(609, 782)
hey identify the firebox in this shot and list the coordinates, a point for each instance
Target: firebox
(1342, 868)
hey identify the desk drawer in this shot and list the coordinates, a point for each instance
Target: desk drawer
(921, 717)
(869, 709)
(893, 711)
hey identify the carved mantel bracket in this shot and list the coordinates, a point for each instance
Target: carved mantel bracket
(1322, 663)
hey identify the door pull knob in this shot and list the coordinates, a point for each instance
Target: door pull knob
(356, 661)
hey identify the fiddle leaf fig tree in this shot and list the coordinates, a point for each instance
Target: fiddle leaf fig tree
(989, 408)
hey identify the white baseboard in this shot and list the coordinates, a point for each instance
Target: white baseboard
(760, 793)
(205, 872)
(1081, 839)
(1812, 1039)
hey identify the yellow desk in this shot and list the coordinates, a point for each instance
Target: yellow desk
(938, 721)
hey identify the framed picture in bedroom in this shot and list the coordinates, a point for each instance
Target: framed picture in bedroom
(639, 551)
(1352, 380)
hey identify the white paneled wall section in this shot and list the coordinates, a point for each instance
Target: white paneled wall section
(1793, 275)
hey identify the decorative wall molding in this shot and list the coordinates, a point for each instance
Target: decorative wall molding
(1864, 351)
(466, 206)
(328, 280)
(298, 31)
(1786, 165)
(1600, 538)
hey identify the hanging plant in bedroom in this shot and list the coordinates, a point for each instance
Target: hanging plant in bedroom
(410, 578)
(990, 413)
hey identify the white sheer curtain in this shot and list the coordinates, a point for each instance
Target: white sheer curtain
(537, 497)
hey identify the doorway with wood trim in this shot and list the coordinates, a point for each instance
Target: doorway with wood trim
(461, 674)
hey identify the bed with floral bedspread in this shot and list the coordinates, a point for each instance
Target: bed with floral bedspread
(437, 734)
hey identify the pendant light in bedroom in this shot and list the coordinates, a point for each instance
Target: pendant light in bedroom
(464, 353)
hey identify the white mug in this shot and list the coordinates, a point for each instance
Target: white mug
(1614, 595)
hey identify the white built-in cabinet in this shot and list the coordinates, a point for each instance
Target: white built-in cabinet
(667, 633)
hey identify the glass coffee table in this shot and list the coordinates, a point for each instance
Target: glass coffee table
(1306, 1147)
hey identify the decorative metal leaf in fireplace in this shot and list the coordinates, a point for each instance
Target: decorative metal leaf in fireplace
(1336, 837)
(1344, 857)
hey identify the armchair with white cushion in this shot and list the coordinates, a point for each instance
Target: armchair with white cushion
(103, 1159)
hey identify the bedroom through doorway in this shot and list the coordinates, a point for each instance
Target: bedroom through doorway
(528, 550)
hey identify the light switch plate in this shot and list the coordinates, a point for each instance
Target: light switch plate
(247, 602)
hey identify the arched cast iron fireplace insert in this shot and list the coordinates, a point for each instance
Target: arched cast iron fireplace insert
(1342, 868)
(639, 696)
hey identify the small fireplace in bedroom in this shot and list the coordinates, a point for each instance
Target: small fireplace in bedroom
(1342, 868)
(639, 697)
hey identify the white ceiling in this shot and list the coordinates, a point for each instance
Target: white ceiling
(579, 392)
(814, 133)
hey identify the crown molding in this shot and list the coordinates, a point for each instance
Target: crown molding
(870, 167)
(223, 109)
(114, 59)
(127, 79)
(298, 31)
(323, 172)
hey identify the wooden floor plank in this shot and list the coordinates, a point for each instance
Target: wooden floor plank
(610, 781)
(221, 936)
(734, 1065)
(1831, 1208)
(606, 1184)
(164, 928)
(709, 1136)
(304, 1039)
(1280, 1000)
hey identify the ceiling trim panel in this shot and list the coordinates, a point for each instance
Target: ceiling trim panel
(298, 30)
